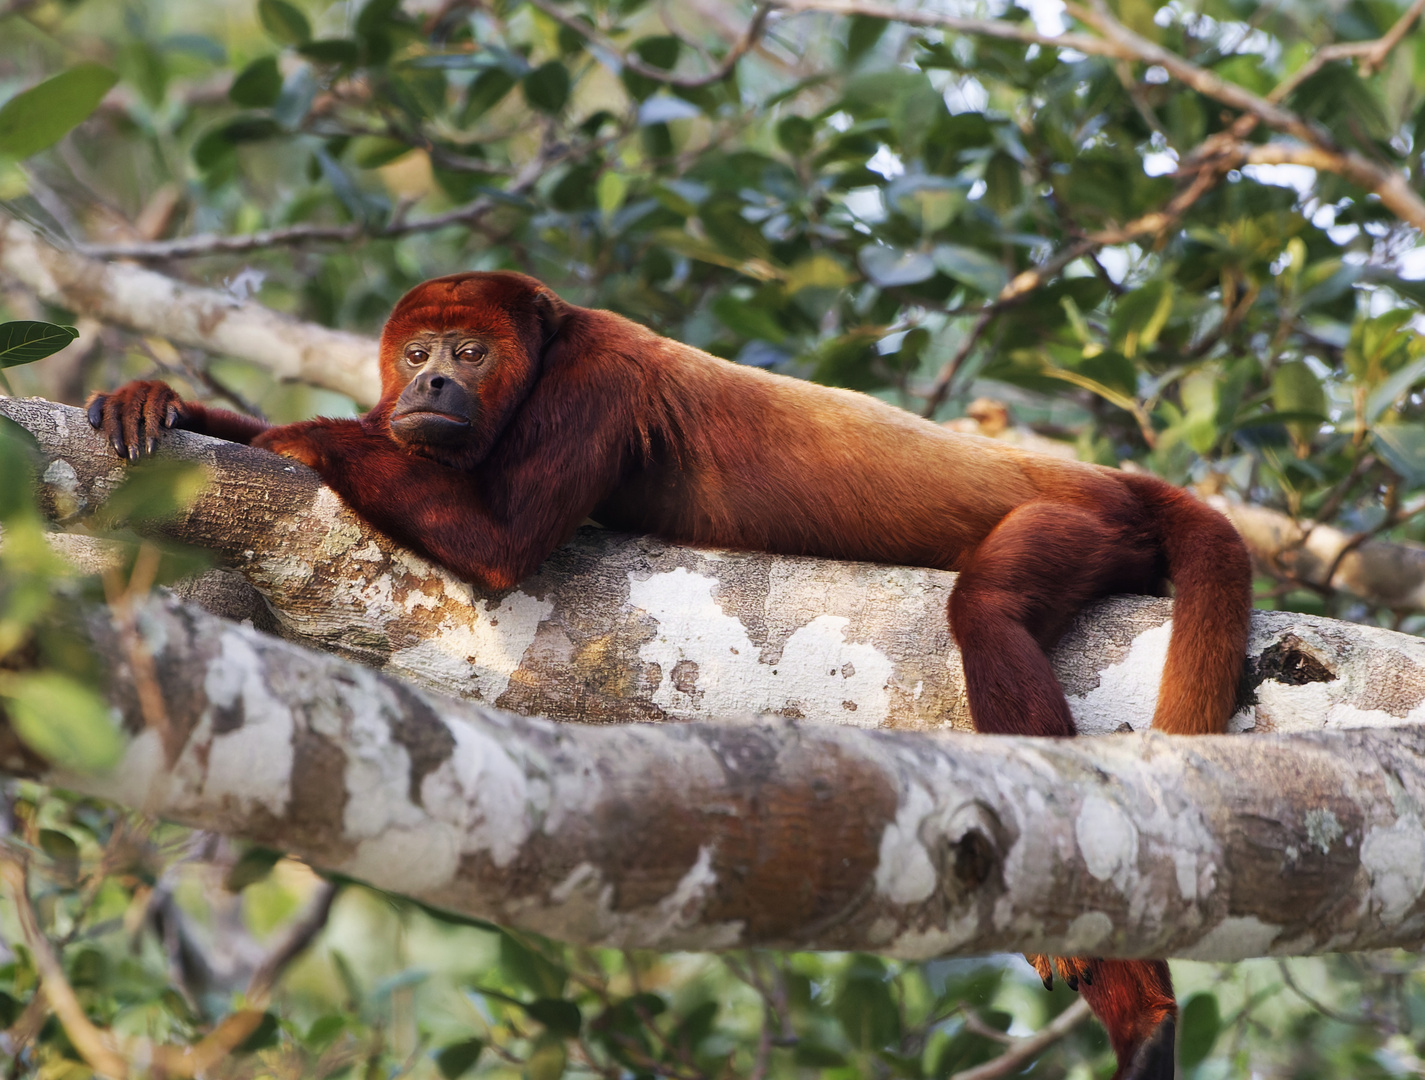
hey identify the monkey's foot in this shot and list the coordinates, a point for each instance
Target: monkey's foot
(1074, 970)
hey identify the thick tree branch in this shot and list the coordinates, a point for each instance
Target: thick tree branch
(617, 628)
(788, 836)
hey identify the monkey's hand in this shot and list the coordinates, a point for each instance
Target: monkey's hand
(134, 416)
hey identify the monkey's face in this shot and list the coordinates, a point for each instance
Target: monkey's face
(440, 403)
(458, 357)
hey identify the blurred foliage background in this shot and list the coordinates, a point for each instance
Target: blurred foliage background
(978, 228)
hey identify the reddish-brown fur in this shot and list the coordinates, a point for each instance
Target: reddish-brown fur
(581, 413)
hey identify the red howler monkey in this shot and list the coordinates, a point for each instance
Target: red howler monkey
(508, 416)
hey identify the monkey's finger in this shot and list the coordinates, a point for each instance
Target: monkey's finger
(132, 423)
(156, 408)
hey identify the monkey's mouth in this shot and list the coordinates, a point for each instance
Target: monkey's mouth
(425, 416)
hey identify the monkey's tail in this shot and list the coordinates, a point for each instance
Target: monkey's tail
(1212, 573)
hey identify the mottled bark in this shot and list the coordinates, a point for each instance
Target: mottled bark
(208, 319)
(779, 834)
(619, 628)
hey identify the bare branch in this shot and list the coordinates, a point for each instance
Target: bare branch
(96, 1047)
(209, 319)
(740, 48)
(1022, 1051)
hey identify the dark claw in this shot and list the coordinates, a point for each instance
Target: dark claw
(152, 444)
(170, 416)
(133, 453)
(1087, 976)
(1073, 981)
(96, 412)
(117, 445)
(1048, 982)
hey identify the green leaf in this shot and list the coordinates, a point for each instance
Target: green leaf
(457, 1059)
(373, 151)
(255, 865)
(867, 1013)
(263, 1036)
(62, 720)
(796, 135)
(862, 34)
(42, 115)
(486, 91)
(1403, 447)
(888, 266)
(527, 968)
(63, 854)
(25, 342)
(258, 85)
(547, 1060)
(284, 22)
(1296, 389)
(218, 143)
(1198, 1029)
(546, 88)
(560, 1017)
(819, 271)
(340, 52)
(972, 267)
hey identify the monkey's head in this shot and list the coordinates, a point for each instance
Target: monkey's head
(458, 356)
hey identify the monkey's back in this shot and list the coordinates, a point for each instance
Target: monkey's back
(746, 458)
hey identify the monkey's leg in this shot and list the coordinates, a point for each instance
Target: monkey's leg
(1016, 595)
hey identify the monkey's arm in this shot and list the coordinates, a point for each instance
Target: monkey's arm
(492, 526)
(135, 415)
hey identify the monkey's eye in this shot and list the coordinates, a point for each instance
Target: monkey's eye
(472, 353)
(416, 356)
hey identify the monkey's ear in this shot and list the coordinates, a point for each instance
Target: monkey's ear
(551, 311)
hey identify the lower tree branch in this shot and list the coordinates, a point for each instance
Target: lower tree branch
(698, 836)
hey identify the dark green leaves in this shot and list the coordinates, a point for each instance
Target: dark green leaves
(1198, 1029)
(546, 88)
(42, 115)
(257, 85)
(285, 22)
(457, 1059)
(26, 342)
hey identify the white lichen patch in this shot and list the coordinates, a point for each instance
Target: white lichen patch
(1087, 932)
(411, 861)
(1234, 938)
(1108, 840)
(1127, 692)
(483, 795)
(904, 873)
(477, 648)
(819, 676)
(251, 765)
(1395, 860)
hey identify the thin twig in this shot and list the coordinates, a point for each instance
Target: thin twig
(94, 1046)
(740, 47)
(1031, 1046)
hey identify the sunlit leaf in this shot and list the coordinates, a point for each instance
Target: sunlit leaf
(62, 720)
(42, 115)
(285, 22)
(26, 342)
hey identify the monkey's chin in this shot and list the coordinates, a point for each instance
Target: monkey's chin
(430, 428)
